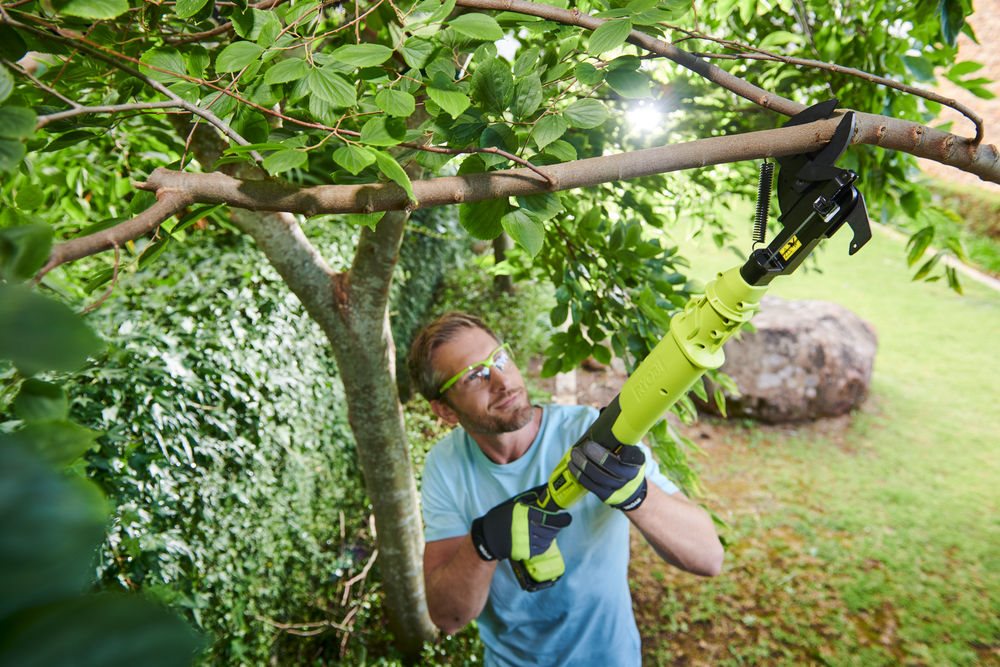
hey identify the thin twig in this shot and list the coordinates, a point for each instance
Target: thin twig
(111, 287)
(309, 628)
(31, 77)
(358, 577)
(111, 108)
(749, 52)
(117, 62)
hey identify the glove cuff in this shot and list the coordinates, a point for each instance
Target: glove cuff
(479, 540)
(633, 501)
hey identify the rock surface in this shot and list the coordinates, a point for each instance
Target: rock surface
(807, 359)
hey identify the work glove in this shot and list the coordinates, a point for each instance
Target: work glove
(618, 479)
(517, 528)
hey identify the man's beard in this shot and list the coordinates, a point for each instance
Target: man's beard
(513, 419)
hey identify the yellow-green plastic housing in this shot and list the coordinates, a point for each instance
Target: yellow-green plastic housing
(693, 346)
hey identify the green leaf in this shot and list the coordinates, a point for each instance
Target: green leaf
(236, 56)
(918, 244)
(447, 95)
(168, 63)
(369, 220)
(291, 69)
(526, 231)
(16, 122)
(24, 250)
(60, 441)
(52, 525)
(927, 267)
(609, 35)
(748, 9)
(383, 131)
(542, 207)
(963, 69)
(951, 15)
(588, 75)
(477, 26)
(331, 87)
(527, 96)
(285, 160)
(416, 52)
(586, 113)
(920, 67)
(92, 9)
(185, 9)
(602, 354)
(353, 158)
(561, 151)
(396, 102)
(102, 630)
(548, 129)
(37, 333)
(362, 55)
(388, 166)
(29, 197)
(6, 83)
(12, 46)
(629, 83)
(41, 401)
(493, 85)
(526, 61)
(482, 219)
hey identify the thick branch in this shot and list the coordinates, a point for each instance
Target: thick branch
(274, 195)
(169, 202)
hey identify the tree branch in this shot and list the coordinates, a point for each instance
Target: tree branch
(716, 75)
(169, 202)
(753, 53)
(177, 189)
(206, 115)
(111, 108)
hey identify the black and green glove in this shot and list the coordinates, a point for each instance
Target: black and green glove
(517, 528)
(618, 479)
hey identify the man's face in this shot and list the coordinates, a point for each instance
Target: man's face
(490, 406)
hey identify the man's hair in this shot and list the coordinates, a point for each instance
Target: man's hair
(431, 337)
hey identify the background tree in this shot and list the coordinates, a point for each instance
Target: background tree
(374, 110)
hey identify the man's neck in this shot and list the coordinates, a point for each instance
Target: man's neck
(503, 448)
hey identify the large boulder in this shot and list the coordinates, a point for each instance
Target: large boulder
(807, 359)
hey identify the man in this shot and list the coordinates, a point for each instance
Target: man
(475, 520)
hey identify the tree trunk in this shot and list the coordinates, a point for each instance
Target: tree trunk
(352, 310)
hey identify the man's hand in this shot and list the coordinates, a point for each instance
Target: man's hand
(617, 479)
(517, 528)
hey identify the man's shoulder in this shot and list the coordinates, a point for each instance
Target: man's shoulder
(447, 448)
(572, 417)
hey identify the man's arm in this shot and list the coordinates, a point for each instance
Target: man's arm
(681, 532)
(457, 581)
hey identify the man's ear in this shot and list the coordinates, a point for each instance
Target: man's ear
(444, 412)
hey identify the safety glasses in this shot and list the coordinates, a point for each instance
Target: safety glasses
(479, 373)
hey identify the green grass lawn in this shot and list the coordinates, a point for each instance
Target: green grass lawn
(862, 541)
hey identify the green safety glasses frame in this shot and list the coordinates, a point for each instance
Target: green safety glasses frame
(498, 359)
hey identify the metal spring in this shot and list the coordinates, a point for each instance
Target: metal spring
(763, 202)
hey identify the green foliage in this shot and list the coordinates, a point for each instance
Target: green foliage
(54, 520)
(225, 450)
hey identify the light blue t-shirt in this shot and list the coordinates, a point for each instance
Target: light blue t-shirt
(586, 617)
